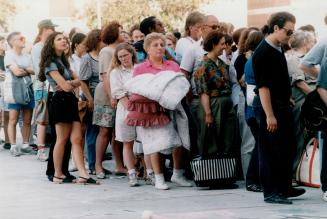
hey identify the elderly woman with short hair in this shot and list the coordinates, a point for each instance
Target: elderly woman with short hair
(302, 84)
(155, 125)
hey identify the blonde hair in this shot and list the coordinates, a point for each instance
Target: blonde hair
(151, 37)
(192, 19)
(171, 37)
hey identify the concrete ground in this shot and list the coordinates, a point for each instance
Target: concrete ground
(26, 193)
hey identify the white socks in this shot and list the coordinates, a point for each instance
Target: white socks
(131, 171)
(149, 172)
(25, 145)
(178, 172)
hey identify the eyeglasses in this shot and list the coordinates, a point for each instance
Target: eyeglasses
(213, 27)
(289, 32)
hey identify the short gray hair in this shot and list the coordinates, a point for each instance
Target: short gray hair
(300, 38)
(151, 37)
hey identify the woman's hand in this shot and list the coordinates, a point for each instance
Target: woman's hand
(113, 103)
(124, 101)
(67, 87)
(90, 105)
(209, 119)
(271, 123)
(75, 83)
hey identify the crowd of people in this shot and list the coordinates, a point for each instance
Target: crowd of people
(155, 96)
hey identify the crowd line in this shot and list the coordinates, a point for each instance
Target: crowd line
(212, 104)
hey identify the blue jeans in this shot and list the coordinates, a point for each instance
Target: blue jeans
(90, 139)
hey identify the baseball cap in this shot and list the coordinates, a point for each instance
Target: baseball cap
(46, 23)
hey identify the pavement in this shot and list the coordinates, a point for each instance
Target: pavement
(25, 193)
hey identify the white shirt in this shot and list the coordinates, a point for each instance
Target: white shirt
(192, 59)
(75, 63)
(118, 77)
(182, 45)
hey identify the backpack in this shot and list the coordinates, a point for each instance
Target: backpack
(314, 112)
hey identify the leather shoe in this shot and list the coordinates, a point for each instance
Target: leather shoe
(294, 192)
(277, 199)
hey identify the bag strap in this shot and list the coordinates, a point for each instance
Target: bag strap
(42, 90)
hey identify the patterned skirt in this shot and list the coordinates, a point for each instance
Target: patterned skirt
(104, 116)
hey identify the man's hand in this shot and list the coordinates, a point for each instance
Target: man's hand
(271, 123)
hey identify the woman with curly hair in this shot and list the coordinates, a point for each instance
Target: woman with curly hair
(89, 76)
(63, 109)
(104, 103)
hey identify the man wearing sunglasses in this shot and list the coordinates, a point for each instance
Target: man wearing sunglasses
(276, 132)
(189, 64)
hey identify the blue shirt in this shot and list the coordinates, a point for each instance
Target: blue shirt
(67, 74)
(318, 55)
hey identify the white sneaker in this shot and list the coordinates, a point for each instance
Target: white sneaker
(132, 180)
(15, 152)
(42, 155)
(161, 184)
(324, 196)
(181, 181)
(26, 150)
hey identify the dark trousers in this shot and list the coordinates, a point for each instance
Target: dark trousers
(323, 173)
(91, 134)
(276, 153)
(65, 164)
(252, 174)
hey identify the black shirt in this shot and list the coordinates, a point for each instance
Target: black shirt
(270, 70)
(239, 65)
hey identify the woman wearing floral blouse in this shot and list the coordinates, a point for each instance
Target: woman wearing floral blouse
(216, 115)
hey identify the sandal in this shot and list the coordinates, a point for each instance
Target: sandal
(57, 179)
(63, 179)
(86, 181)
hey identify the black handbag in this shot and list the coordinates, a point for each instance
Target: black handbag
(314, 112)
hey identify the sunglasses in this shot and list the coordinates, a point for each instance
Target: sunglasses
(213, 27)
(288, 31)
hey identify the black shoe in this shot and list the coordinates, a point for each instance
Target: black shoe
(294, 192)
(7, 146)
(254, 188)
(50, 178)
(107, 172)
(71, 177)
(277, 199)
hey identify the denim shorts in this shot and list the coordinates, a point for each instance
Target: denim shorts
(18, 106)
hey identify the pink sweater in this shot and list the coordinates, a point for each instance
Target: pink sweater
(145, 112)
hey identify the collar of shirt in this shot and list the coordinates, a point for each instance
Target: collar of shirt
(126, 69)
(274, 46)
(148, 64)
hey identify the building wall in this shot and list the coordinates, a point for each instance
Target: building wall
(259, 10)
(61, 8)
